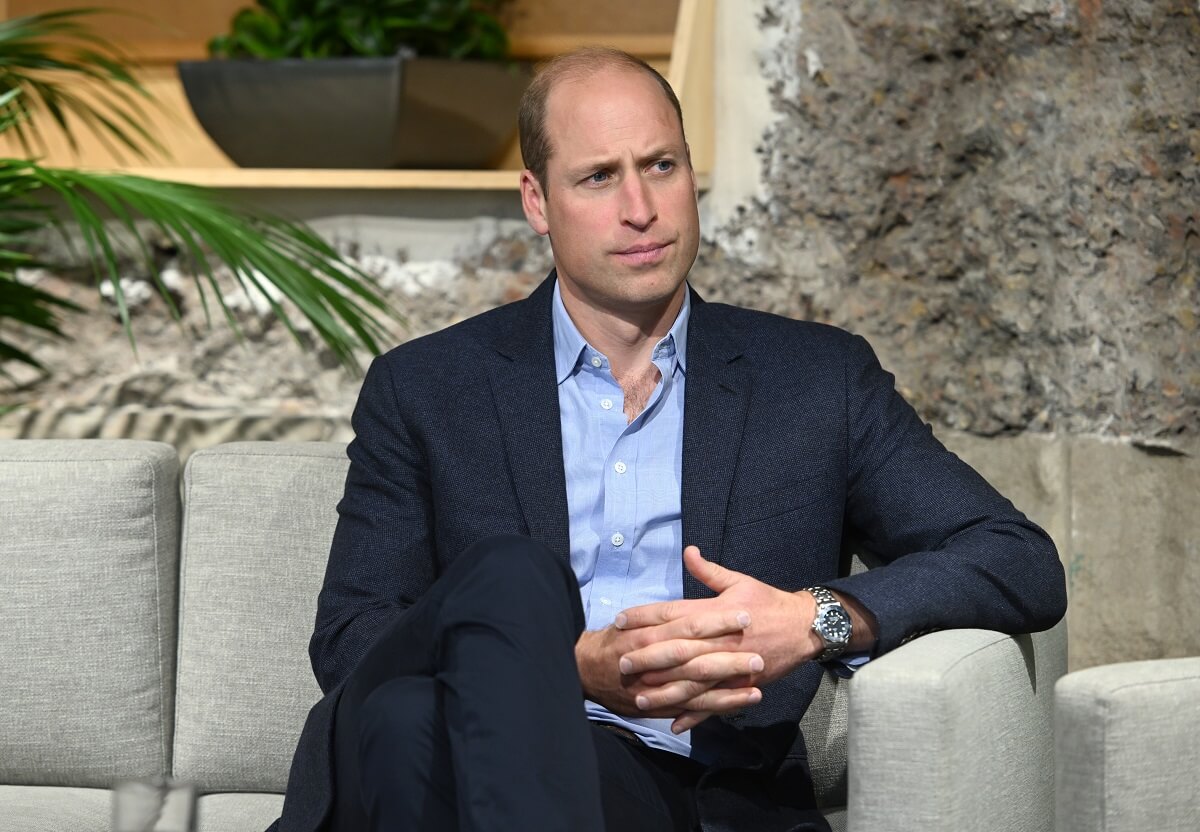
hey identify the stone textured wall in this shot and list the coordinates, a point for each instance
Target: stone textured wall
(1002, 195)
(195, 383)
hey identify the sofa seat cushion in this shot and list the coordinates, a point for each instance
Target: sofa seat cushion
(259, 518)
(1127, 747)
(54, 809)
(88, 588)
(249, 812)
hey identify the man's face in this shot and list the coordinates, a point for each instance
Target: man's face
(620, 199)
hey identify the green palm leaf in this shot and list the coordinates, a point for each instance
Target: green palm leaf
(30, 307)
(42, 58)
(334, 297)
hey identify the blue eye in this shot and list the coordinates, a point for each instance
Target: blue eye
(664, 165)
(599, 177)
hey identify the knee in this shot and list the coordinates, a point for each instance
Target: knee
(516, 573)
(516, 566)
(401, 711)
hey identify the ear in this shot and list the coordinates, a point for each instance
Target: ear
(533, 202)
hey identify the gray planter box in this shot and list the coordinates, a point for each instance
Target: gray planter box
(357, 112)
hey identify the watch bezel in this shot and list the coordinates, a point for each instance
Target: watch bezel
(829, 606)
(827, 628)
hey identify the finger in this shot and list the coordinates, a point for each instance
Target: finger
(684, 619)
(650, 615)
(721, 701)
(668, 651)
(738, 678)
(715, 666)
(688, 720)
(712, 575)
(670, 695)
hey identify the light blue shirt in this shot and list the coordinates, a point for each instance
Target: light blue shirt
(623, 487)
(623, 492)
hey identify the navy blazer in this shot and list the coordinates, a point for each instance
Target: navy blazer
(796, 446)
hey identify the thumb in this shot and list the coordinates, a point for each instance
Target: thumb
(712, 575)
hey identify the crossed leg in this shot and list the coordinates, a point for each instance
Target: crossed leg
(467, 714)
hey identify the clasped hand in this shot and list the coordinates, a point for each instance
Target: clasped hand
(691, 658)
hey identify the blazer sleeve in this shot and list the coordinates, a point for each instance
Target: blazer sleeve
(957, 553)
(381, 560)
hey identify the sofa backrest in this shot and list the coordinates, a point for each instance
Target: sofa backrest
(259, 519)
(88, 566)
(90, 570)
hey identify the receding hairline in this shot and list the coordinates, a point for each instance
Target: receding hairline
(572, 68)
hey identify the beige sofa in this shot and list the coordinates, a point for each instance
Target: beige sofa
(150, 633)
(1127, 747)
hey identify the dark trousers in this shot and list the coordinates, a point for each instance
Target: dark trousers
(467, 714)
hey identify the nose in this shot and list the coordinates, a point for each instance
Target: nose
(637, 204)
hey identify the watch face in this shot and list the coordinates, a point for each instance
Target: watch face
(835, 626)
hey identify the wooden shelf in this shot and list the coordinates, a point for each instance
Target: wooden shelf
(685, 58)
(522, 47)
(343, 179)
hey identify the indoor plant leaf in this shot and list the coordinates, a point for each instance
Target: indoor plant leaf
(335, 298)
(39, 55)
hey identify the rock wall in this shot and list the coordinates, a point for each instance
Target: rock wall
(197, 382)
(1003, 196)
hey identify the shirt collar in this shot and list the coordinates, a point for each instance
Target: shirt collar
(570, 345)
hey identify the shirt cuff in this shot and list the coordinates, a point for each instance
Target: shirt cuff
(845, 665)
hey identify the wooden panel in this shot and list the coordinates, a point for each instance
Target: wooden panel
(167, 30)
(691, 76)
(169, 119)
(535, 47)
(476, 180)
(684, 56)
(171, 30)
(593, 17)
(362, 180)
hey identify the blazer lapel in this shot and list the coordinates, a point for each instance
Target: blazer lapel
(525, 391)
(715, 405)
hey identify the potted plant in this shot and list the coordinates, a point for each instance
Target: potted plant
(278, 260)
(359, 84)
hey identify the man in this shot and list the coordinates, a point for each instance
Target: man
(585, 574)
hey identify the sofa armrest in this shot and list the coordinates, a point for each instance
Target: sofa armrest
(954, 731)
(1127, 747)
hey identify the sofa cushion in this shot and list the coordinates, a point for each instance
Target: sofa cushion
(1127, 747)
(55, 809)
(258, 521)
(88, 561)
(238, 812)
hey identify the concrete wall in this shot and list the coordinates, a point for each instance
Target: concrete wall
(1124, 517)
(1000, 195)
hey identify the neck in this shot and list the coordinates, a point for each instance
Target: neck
(626, 336)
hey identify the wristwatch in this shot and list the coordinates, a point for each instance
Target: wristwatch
(832, 624)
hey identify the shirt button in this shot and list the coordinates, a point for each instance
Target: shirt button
(617, 539)
(606, 602)
(597, 361)
(606, 404)
(620, 467)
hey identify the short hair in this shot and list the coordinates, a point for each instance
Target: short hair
(572, 66)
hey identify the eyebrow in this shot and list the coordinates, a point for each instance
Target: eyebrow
(661, 152)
